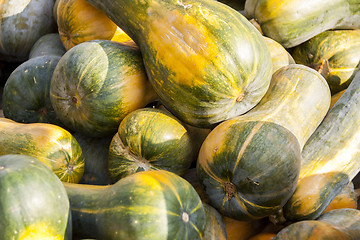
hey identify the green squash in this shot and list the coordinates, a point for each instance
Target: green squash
(156, 205)
(51, 144)
(215, 228)
(280, 57)
(334, 53)
(22, 23)
(341, 224)
(48, 44)
(33, 203)
(292, 22)
(205, 60)
(150, 139)
(330, 158)
(26, 93)
(96, 84)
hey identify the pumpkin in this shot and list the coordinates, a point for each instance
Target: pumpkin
(215, 228)
(205, 60)
(330, 158)
(49, 44)
(293, 22)
(149, 205)
(51, 144)
(280, 57)
(337, 224)
(34, 203)
(22, 23)
(96, 84)
(334, 53)
(345, 199)
(78, 21)
(150, 139)
(26, 93)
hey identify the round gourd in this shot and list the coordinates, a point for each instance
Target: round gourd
(22, 23)
(49, 44)
(152, 205)
(205, 60)
(51, 144)
(78, 21)
(215, 228)
(150, 139)
(26, 93)
(33, 203)
(96, 84)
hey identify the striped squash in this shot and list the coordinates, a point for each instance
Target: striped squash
(205, 60)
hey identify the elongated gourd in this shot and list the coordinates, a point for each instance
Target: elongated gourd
(152, 205)
(334, 53)
(330, 157)
(249, 165)
(51, 144)
(205, 60)
(292, 22)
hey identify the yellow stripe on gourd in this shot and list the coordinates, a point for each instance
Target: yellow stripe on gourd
(39, 231)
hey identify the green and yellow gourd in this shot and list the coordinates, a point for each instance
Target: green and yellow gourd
(330, 157)
(149, 205)
(334, 53)
(150, 139)
(22, 23)
(96, 84)
(280, 57)
(215, 228)
(51, 144)
(204, 59)
(49, 44)
(26, 93)
(341, 224)
(292, 22)
(34, 203)
(249, 165)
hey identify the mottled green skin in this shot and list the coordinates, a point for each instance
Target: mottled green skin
(224, 54)
(26, 94)
(51, 144)
(261, 160)
(292, 22)
(146, 205)
(48, 44)
(22, 23)
(215, 228)
(95, 151)
(31, 194)
(330, 156)
(150, 139)
(90, 86)
(341, 51)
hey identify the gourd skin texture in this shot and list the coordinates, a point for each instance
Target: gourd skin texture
(334, 53)
(147, 205)
(280, 57)
(96, 84)
(51, 144)
(150, 139)
(26, 94)
(292, 22)
(206, 62)
(49, 44)
(244, 176)
(22, 23)
(34, 203)
(215, 228)
(329, 157)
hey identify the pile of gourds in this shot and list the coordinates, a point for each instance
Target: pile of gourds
(180, 119)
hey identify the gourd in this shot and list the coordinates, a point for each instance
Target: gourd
(34, 203)
(334, 53)
(78, 22)
(150, 139)
(146, 205)
(345, 199)
(249, 165)
(293, 22)
(96, 84)
(26, 93)
(206, 61)
(215, 228)
(336, 224)
(22, 23)
(51, 144)
(330, 158)
(49, 44)
(280, 57)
